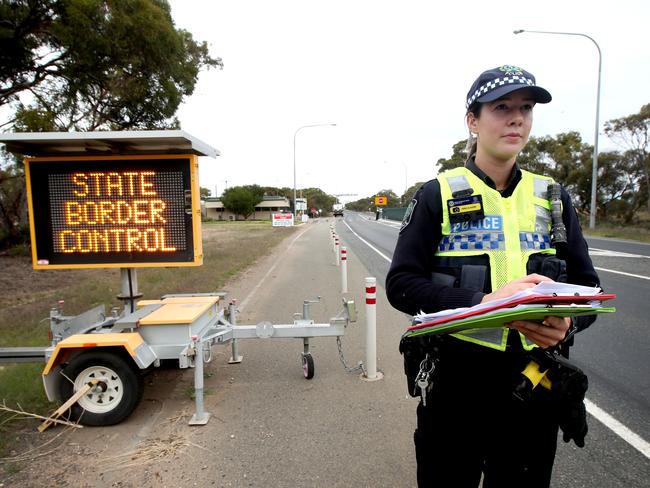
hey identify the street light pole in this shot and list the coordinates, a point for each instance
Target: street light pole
(594, 174)
(295, 210)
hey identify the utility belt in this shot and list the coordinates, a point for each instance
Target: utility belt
(528, 371)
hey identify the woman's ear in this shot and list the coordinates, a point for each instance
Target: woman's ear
(472, 123)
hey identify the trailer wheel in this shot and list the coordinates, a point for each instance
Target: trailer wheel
(308, 366)
(113, 399)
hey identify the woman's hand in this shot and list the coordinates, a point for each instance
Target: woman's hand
(545, 334)
(514, 286)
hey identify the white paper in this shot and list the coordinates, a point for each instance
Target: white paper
(546, 288)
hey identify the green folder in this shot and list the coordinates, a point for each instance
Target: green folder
(500, 318)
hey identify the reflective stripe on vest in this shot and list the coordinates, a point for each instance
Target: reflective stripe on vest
(513, 228)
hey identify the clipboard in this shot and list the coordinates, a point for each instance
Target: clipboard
(566, 299)
(500, 318)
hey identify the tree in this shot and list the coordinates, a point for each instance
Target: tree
(618, 181)
(457, 159)
(361, 205)
(633, 133)
(317, 198)
(13, 209)
(256, 191)
(241, 200)
(95, 64)
(88, 65)
(566, 159)
(410, 193)
(204, 192)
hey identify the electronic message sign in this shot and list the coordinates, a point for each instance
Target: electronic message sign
(116, 211)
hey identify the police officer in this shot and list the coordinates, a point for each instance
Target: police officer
(474, 234)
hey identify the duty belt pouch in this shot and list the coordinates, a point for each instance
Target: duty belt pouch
(414, 350)
(548, 265)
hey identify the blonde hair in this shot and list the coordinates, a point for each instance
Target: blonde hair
(472, 140)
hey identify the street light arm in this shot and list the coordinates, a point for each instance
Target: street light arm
(312, 125)
(520, 31)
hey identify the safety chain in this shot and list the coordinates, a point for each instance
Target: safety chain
(342, 358)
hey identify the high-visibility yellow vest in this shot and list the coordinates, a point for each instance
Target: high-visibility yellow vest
(512, 230)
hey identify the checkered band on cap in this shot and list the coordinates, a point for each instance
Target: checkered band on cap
(496, 83)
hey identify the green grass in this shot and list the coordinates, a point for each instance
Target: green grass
(229, 248)
(21, 387)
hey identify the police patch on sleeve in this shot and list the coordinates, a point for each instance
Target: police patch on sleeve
(407, 215)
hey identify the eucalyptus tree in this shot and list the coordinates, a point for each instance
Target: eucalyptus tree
(80, 65)
(633, 134)
(95, 64)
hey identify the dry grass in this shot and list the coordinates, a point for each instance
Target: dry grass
(150, 451)
(634, 233)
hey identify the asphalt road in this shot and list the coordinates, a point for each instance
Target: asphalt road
(613, 353)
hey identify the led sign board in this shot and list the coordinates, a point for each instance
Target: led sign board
(117, 211)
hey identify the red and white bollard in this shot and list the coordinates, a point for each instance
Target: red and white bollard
(344, 269)
(336, 248)
(371, 330)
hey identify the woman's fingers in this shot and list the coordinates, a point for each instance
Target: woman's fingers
(545, 334)
(515, 286)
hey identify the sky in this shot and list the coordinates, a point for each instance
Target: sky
(393, 76)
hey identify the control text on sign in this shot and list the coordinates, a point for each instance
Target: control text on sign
(114, 211)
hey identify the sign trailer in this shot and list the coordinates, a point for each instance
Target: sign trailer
(130, 200)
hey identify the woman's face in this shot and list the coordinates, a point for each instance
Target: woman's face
(503, 126)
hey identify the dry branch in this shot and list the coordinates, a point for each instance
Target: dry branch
(28, 414)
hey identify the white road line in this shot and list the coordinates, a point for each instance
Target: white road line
(614, 254)
(633, 439)
(389, 223)
(618, 428)
(367, 243)
(245, 301)
(622, 273)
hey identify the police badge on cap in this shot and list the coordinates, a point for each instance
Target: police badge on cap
(498, 82)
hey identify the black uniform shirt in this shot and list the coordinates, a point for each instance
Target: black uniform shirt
(408, 284)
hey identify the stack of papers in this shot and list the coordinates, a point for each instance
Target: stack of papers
(534, 304)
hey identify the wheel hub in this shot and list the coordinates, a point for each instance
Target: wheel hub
(105, 395)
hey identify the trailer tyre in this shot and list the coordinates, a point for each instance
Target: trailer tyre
(308, 366)
(113, 399)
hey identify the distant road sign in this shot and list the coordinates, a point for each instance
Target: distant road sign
(380, 201)
(282, 220)
(301, 204)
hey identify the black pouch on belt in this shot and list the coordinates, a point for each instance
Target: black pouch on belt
(547, 265)
(414, 350)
